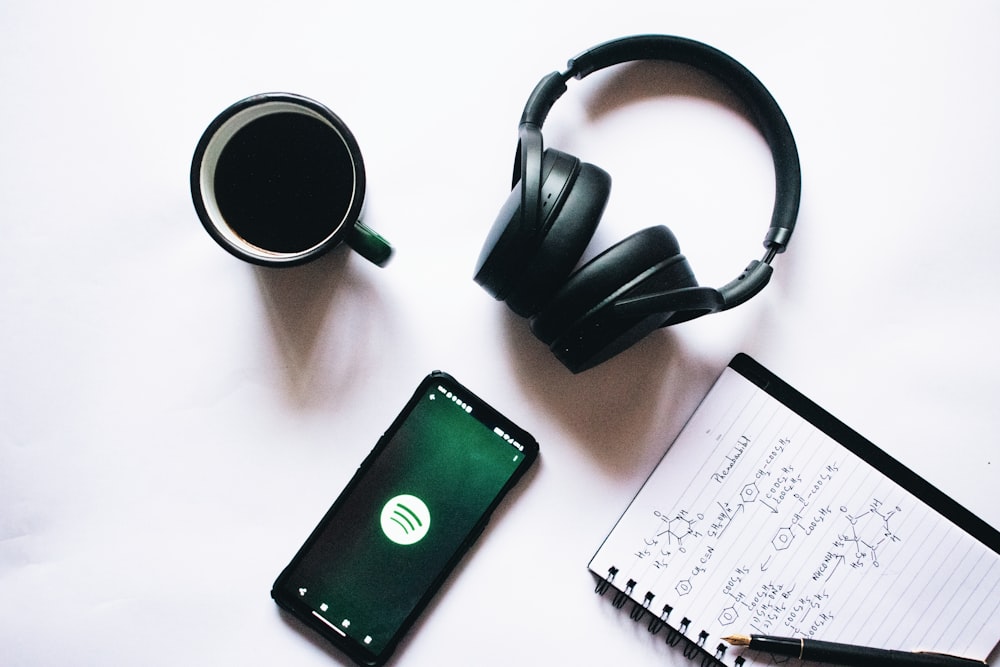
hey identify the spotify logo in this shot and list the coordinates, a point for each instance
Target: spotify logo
(405, 519)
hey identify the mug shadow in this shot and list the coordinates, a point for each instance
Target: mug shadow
(322, 315)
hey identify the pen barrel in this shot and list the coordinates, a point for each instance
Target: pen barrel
(789, 646)
(845, 654)
(860, 656)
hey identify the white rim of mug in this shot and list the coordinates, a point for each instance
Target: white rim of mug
(218, 135)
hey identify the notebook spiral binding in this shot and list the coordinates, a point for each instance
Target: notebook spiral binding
(693, 646)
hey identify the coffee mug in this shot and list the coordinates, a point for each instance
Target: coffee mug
(277, 180)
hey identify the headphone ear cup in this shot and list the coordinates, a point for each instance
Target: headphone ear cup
(579, 324)
(504, 244)
(574, 196)
(524, 265)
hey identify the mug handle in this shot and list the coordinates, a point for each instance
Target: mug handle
(369, 244)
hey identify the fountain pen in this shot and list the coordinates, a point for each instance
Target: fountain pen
(847, 654)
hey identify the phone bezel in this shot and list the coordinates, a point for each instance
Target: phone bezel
(304, 613)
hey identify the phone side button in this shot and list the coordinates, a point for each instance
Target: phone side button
(478, 531)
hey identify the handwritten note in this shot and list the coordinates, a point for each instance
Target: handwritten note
(757, 522)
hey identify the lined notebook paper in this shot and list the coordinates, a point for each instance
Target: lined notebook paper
(769, 516)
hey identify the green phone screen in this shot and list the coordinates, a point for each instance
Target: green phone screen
(406, 517)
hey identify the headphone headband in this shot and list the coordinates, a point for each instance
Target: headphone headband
(764, 111)
(587, 312)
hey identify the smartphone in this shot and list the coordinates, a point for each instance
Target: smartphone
(413, 508)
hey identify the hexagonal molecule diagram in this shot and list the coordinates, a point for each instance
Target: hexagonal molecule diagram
(869, 532)
(679, 528)
(782, 539)
(749, 493)
(728, 616)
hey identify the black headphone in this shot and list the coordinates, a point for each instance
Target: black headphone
(643, 282)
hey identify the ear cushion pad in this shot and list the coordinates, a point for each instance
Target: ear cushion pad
(579, 323)
(500, 251)
(523, 262)
(574, 195)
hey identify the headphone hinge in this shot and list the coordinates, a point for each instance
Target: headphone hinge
(542, 98)
(747, 284)
(777, 239)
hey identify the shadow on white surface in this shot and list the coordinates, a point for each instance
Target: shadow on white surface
(324, 317)
(633, 82)
(613, 410)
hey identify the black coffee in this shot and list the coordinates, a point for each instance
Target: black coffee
(284, 182)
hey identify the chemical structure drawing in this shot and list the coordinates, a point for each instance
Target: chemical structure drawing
(729, 615)
(869, 533)
(678, 527)
(750, 492)
(782, 539)
(669, 537)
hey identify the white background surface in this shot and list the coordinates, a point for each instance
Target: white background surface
(173, 422)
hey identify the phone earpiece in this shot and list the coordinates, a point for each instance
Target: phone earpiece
(556, 202)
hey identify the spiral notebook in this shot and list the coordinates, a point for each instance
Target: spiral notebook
(769, 516)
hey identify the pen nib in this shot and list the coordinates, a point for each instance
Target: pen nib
(737, 640)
